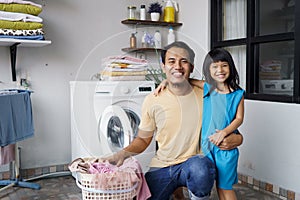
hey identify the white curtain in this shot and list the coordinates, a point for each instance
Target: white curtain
(239, 56)
(235, 23)
(235, 19)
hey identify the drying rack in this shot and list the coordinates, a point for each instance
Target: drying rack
(15, 178)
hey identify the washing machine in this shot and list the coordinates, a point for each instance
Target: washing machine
(105, 116)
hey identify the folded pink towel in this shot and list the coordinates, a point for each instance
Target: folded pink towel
(101, 168)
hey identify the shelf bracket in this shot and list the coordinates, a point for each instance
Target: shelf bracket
(13, 57)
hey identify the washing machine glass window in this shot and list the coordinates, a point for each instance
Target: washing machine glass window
(116, 132)
(118, 127)
(134, 121)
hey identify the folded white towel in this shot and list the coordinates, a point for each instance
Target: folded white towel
(21, 2)
(13, 16)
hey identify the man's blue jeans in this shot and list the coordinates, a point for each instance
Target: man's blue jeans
(197, 174)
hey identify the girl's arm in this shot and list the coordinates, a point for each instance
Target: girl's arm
(218, 137)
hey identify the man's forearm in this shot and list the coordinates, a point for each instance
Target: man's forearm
(231, 141)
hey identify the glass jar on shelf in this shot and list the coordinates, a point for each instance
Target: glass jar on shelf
(131, 12)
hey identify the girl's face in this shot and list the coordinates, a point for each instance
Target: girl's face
(219, 71)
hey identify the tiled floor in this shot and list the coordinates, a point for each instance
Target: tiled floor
(64, 188)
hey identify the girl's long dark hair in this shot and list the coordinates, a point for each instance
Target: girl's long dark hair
(216, 55)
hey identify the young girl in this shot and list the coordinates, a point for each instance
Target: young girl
(223, 113)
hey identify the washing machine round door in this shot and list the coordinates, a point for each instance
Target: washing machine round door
(116, 128)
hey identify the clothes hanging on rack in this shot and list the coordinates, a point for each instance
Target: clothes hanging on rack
(16, 121)
(7, 154)
(16, 124)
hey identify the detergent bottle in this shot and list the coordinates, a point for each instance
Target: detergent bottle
(169, 11)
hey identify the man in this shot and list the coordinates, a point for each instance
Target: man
(175, 116)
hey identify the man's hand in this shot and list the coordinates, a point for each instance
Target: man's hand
(231, 141)
(116, 159)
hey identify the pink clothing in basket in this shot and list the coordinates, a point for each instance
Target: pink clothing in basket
(130, 170)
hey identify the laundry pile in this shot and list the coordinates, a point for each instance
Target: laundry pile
(109, 181)
(124, 68)
(19, 20)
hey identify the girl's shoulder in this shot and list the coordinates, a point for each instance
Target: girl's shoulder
(206, 88)
(240, 91)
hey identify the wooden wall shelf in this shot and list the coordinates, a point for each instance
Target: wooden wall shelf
(148, 22)
(139, 49)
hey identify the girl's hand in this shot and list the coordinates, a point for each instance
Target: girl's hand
(217, 137)
(161, 87)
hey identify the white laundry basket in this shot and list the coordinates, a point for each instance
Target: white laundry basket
(107, 186)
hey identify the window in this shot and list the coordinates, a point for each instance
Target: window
(263, 38)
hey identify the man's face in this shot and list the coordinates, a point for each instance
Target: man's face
(177, 65)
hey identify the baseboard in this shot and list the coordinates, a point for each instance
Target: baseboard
(269, 188)
(36, 172)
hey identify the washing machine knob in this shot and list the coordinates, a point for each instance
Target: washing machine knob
(125, 90)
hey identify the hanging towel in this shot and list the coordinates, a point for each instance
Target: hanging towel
(16, 120)
(7, 154)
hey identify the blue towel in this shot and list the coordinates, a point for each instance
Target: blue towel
(16, 120)
(24, 37)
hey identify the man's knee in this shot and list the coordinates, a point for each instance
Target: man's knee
(202, 167)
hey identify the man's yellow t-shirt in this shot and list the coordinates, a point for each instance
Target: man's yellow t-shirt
(177, 122)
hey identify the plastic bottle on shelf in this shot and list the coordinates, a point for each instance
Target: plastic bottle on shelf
(171, 36)
(169, 11)
(132, 41)
(157, 39)
(144, 44)
(143, 12)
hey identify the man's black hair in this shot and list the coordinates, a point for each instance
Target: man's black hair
(178, 44)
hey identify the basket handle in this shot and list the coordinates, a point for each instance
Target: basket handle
(105, 191)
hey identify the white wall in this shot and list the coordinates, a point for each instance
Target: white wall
(271, 143)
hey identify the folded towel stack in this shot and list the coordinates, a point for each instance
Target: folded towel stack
(19, 20)
(124, 68)
(270, 70)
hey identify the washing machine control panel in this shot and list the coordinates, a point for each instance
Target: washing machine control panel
(145, 89)
(124, 88)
